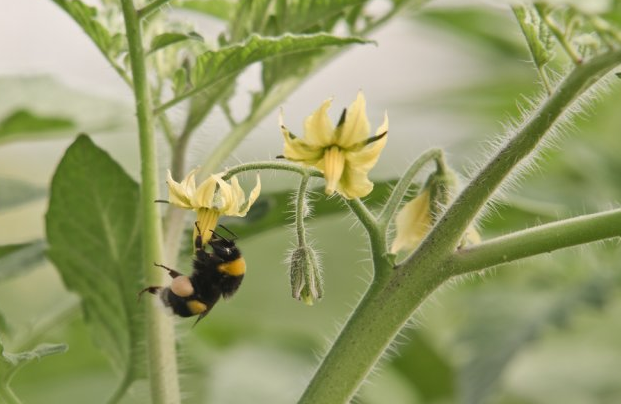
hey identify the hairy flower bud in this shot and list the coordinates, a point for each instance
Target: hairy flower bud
(305, 273)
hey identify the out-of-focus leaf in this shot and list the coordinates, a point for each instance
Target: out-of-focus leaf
(221, 9)
(537, 34)
(18, 259)
(4, 326)
(11, 363)
(431, 375)
(486, 27)
(93, 230)
(213, 66)
(47, 99)
(110, 44)
(25, 121)
(14, 193)
(170, 38)
(495, 337)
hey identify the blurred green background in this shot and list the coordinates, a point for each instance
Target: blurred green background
(545, 330)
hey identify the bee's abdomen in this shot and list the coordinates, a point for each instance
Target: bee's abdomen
(182, 306)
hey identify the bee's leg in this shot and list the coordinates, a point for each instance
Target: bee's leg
(198, 241)
(151, 289)
(173, 274)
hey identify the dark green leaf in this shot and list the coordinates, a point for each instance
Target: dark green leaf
(93, 231)
(14, 193)
(169, 38)
(18, 259)
(24, 121)
(213, 66)
(426, 370)
(4, 326)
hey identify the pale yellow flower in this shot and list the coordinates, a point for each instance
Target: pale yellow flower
(413, 223)
(213, 198)
(345, 153)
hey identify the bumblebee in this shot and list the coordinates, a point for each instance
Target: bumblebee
(217, 274)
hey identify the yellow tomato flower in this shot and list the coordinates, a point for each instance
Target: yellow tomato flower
(345, 153)
(213, 198)
(413, 223)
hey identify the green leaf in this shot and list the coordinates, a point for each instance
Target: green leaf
(536, 33)
(221, 9)
(11, 363)
(425, 368)
(18, 259)
(46, 100)
(109, 44)
(214, 66)
(15, 192)
(481, 26)
(493, 338)
(25, 121)
(170, 38)
(93, 232)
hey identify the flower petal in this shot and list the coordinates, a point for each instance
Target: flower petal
(354, 183)
(356, 127)
(254, 194)
(297, 149)
(207, 220)
(225, 203)
(413, 222)
(334, 164)
(180, 194)
(204, 195)
(318, 128)
(365, 158)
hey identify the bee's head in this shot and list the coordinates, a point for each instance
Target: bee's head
(224, 248)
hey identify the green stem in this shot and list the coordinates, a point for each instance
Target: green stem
(160, 332)
(536, 240)
(445, 236)
(272, 165)
(7, 396)
(558, 34)
(300, 210)
(239, 132)
(386, 309)
(393, 202)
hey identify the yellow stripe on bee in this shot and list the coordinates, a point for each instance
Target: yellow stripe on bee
(233, 268)
(196, 307)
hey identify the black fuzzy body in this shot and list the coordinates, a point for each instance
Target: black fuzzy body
(215, 274)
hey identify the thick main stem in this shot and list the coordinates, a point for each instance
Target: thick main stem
(384, 310)
(160, 332)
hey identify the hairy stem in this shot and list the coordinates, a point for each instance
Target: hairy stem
(384, 310)
(536, 240)
(300, 210)
(393, 202)
(160, 332)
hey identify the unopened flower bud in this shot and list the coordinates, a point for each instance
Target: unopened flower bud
(305, 273)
